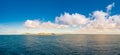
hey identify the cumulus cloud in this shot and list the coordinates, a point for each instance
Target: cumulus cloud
(71, 19)
(43, 25)
(32, 24)
(79, 23)
(101, 21)
(116, 19)
(99, 15)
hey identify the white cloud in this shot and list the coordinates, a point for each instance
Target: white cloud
(101, 21)
(99, 15)
(71, 19)
(52, 25)
(109, 7)
(116, 19)
(32, 24)
(77, 23)
(64, 21)
(43, 25)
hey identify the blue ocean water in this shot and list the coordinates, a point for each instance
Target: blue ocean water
(60, 45)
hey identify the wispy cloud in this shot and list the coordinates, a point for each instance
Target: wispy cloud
(109, 7)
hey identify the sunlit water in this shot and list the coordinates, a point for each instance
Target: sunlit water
(60, 45)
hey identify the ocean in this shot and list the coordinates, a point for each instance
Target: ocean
(69, 44)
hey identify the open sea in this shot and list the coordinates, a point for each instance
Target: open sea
(71, 44)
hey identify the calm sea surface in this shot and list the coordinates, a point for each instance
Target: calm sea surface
(60, 45)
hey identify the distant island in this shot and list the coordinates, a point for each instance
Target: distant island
(42, 33)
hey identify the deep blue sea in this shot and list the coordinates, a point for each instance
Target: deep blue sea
(60, 44)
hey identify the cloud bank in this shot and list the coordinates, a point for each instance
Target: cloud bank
(78, 23)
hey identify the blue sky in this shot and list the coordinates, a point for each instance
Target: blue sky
(14, 13)
(20, 10)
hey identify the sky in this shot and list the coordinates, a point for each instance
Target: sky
(60, 16)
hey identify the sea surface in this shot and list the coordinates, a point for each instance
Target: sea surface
(60, 44)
